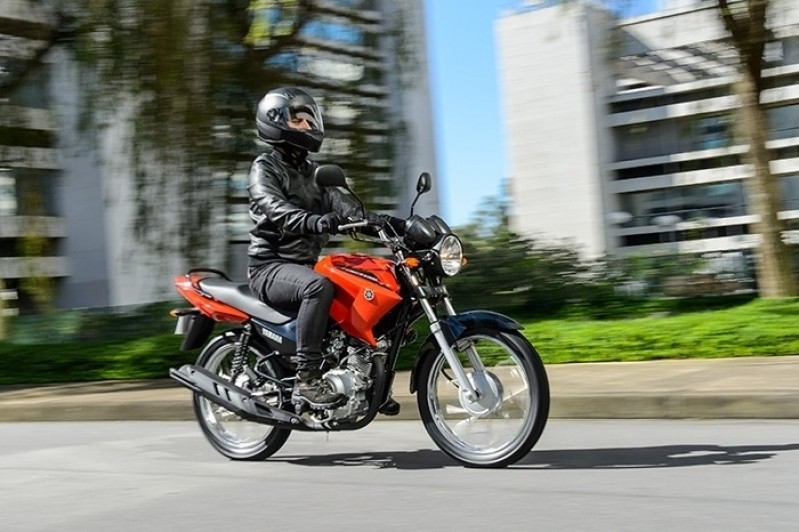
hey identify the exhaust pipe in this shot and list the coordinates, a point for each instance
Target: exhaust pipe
(233, 398)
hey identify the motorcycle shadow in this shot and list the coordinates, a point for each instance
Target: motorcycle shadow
(661, 456)
(404, 460)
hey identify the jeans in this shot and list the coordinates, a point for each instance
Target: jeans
(292, 286)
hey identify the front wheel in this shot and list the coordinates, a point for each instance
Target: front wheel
(227, 432)
(511, 410)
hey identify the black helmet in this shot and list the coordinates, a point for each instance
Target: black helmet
(277, 107)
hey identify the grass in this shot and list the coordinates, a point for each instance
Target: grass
(759, 327)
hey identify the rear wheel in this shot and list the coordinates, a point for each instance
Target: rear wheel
(512, 407)
(229, 434)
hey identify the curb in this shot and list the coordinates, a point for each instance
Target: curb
(627, 406)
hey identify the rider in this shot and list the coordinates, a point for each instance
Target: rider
(293, 219)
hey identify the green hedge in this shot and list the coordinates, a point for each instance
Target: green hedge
(760, 327)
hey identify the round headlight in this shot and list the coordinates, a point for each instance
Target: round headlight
(450, 253)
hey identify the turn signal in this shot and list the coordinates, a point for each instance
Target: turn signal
(411, 262)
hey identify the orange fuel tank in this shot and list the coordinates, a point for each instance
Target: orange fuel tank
(366, 290)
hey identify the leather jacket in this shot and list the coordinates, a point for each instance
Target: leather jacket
(284, 200)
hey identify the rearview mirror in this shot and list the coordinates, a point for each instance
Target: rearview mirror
(424, 183)
(330, 175)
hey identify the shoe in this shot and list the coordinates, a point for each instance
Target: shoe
(310, 388)
(390, 407)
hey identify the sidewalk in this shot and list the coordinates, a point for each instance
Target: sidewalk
(747, 387)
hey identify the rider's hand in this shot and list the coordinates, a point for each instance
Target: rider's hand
(326, 223)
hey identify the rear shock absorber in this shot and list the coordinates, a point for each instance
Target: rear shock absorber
(241, 352)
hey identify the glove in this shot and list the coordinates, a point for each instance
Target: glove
(397, 224)
(325, 223)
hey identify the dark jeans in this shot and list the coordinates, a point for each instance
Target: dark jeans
(292, 286)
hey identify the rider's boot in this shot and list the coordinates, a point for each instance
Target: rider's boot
(310, 388)
(390, 408)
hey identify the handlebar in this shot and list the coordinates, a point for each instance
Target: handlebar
(354, 225)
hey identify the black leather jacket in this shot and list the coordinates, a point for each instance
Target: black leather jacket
(282, 198)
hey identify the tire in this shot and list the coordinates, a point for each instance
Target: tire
(227, 432)
(505, 423)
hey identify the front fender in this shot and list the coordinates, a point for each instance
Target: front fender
(455, 326)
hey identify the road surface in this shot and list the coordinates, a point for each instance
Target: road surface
(583, 475)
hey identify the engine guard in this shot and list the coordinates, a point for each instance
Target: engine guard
(455, 326)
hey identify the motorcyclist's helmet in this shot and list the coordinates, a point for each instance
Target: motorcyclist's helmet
(275, 110)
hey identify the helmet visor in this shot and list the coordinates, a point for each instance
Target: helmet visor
(308, 116)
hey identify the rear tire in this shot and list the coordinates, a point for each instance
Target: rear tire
(511, 413)
(227, 432)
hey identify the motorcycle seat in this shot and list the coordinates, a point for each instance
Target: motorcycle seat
(240, 296)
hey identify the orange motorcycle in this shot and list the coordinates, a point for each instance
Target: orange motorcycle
(482, 390)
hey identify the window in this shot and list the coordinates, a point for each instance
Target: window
(716, 200)
(713, 132)
(8, 194)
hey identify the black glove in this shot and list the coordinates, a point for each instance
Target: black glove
(325, 223)
(397, 224)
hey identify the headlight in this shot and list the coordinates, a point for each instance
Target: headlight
(450, 255)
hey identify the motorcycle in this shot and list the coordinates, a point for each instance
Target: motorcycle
(482, 390)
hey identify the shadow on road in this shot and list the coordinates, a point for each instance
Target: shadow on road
(648, 457)
(613, 458)
(421, 459)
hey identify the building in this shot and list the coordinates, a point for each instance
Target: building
(75, 199)
(621, 131)
(31, 224)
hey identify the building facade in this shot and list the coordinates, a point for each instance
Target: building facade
(32, 227)
(68, 211)
(621, 132)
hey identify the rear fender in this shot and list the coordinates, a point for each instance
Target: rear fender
(454, 328)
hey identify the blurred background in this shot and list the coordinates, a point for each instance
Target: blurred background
(591, 154)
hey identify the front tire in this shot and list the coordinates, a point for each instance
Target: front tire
(507, 420)
(228, 433)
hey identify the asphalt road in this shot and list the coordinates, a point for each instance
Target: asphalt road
(583, 475)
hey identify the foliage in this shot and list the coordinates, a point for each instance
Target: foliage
(507, 271)
(761, 327)
(706, 328)
(91, 345)
(142, 358)
(181, 80)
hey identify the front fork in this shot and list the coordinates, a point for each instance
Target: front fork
(467, 389)
(474, 358)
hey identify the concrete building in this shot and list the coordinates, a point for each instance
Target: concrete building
(620, 132)
(84, 215)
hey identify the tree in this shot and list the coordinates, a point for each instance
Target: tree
(186, 74)
(506, 271)
(746, 23)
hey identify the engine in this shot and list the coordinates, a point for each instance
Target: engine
(352, 377)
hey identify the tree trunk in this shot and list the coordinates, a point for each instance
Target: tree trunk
(773, 259)
(746, 24)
